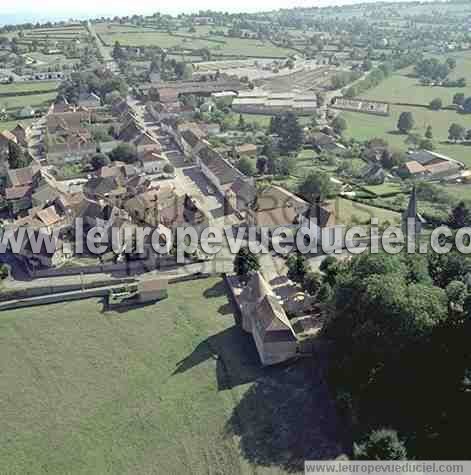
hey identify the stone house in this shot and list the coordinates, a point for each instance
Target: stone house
(264, 317)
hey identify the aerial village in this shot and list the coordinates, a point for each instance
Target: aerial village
(224, 123)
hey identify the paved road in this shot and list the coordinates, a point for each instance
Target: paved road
(104, 51)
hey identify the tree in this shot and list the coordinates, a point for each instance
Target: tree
(456, 292)
(459, 216)
(261, 164)
(413, 140)
(118, 52)
(459, 99)
(429, 132)
(4, 271)
(406, 122)
(291, 134)
(381, 445)
(316, 185)
(426, 144)
(241, 123)
(312, 282)
(451, 63)
(99, 160)
(339, 124)
(245, 262)
(16, 156)
(456, 132)
(124, 153)
(297, 267)
(168, 168)
(436, 104)
(467, 105)
(183, 70)
(246, 166)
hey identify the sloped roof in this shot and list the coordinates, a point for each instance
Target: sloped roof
(102, 185)
(21, 176)
(146, 139)
(49, 216)
(414, 167)
(268, 315)
(277, 197)
(442, 167)
(256, 289)
(283, 216)
(244, 189)
(190, 137)
(320, 213)
(7, 135)
(150, 156)
(220, 167)
(17, 192)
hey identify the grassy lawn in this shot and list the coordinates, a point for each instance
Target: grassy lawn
(364, 127)
(403, 89)
(169, 388)
(384, 188)
(350, 212)
(14, 103)
(459, 192)
(400, 88)
(17, 87)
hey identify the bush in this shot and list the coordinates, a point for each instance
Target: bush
(168, 168)
(381, 445)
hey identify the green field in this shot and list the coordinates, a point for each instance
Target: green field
(171, 388)
(220, 46)
(17, 87)
(350, 212)
(14, 103)
(364, 127)
(401, 88)
(44, 60)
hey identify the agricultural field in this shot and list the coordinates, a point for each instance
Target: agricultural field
(364, 127)
(170, 388)
(26, 87)
(402, 87)
(15, 96)
(220, 46)
(41, 60)
(64, 33)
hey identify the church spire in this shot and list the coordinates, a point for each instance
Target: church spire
(411, 219)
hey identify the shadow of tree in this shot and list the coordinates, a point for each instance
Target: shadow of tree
(236, 356)
(217, 290)
(226, 309)
(286, 417)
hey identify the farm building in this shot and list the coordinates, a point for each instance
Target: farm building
(430, 165)
(265, 103)
(361, 105)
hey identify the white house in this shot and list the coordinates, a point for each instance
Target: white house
(152, 162)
